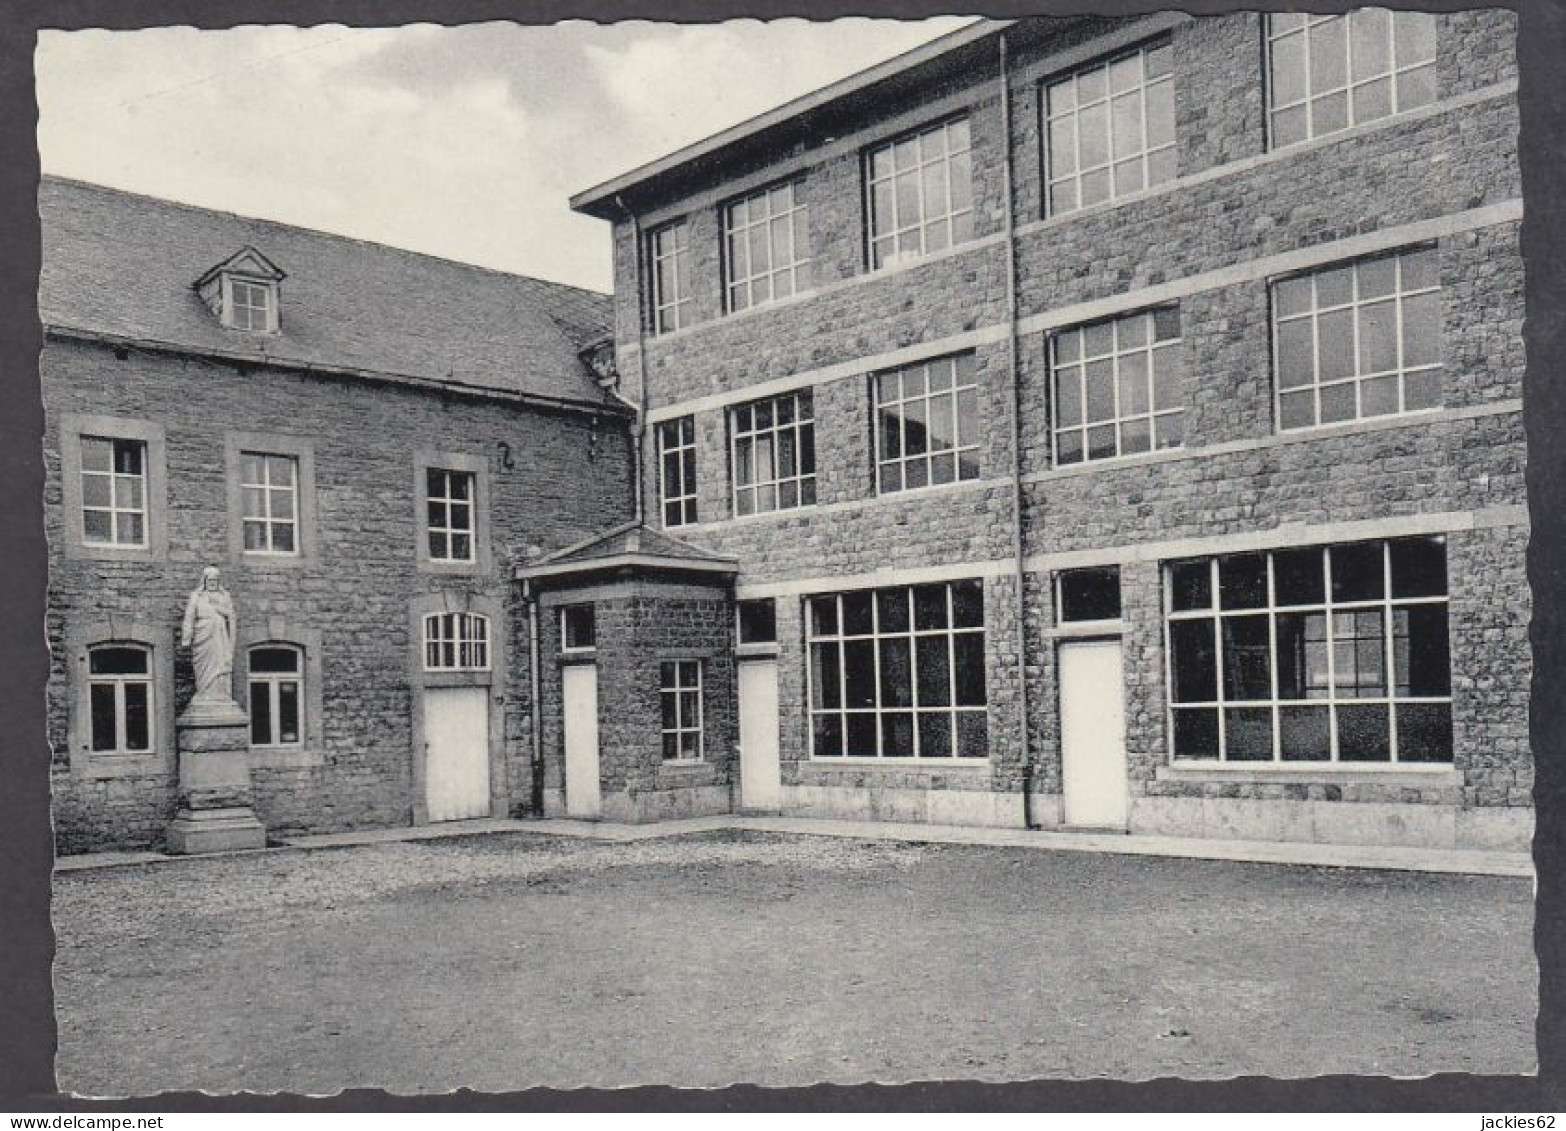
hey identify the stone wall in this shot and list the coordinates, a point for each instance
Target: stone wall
(639, 625)
(1209, 242)
(551, 477)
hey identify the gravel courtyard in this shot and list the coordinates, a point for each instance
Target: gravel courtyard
(504, 961)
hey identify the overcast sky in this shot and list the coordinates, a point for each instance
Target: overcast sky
(462, 142)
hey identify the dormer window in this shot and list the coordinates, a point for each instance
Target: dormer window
(243, 292)
(250, 305)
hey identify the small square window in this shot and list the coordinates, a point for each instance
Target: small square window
(758, 621)
(578, 629)
(1089, 594)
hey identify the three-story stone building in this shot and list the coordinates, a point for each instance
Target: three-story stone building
(1103, 423)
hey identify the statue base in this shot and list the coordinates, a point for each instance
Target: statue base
(194, 831)
(215, 800)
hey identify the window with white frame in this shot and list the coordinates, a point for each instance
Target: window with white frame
(670, 253)
(774, 455)
(1118, 387)
(766, 246)
(450, 499)
(250, 304)
(456, 642)
(1325, 654)
(114, 491)
(1109, 129)
(269, 493)
(276, 699)
(927, 424)
(898, 673)
(119, 697)
(679, 693)
(920, 190)
(1326, 73)
(1358, 340)
(578, 628)
(677, 470)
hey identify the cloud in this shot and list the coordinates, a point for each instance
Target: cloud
(464, 142)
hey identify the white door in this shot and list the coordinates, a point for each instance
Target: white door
(760, 777)
(456, 745)
(1093, 734)
(579, 693)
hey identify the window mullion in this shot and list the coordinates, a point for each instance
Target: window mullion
(121, 726)
(1218, 653)
(1389, 658)
(1272, 659)
(1332, 657)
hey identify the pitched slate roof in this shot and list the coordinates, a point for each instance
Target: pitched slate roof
(121, 266)
(629, 544)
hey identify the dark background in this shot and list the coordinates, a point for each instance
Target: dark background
(27, 1031)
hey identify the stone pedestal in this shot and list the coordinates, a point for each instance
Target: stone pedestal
(215, 813)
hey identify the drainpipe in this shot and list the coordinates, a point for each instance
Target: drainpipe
(535, 692)
(1018, 566)
(639, 426)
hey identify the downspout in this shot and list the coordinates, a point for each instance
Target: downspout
(535, 693)
(1018, 566)
(638, 426)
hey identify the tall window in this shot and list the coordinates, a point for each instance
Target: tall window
(921, 193)
(114, 492)
(250, 305)
(766, 246)
(119, 690)
(898, 673)
(671, 277)
(1110, 129)
(679, 692)
(1117, 387)
(456, 642)
(1327, 654)
(276, 706)
(449, 499)
(1358, 340)
(677, 470)
(927, 424)
(774, 453)
(1326, 73)
(269, 488)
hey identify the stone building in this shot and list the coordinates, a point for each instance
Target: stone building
(1074, 422)
(363, 440)
(1103, 423)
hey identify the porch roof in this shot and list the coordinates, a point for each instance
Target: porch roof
(630, 546)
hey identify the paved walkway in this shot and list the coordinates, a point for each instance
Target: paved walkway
(1462, 861)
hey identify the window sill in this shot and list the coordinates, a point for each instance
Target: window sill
(446, 677)
(1087, 628)
(107, 553)
(938, 765)
(770, 516)
(1433, 775)
(767, 651)
(106, 767)
(1359, 424)
(428, 566)
(926, 490)
(252, 560)
(284, 758)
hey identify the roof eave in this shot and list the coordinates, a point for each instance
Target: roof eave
(599, 201)
(615, 562)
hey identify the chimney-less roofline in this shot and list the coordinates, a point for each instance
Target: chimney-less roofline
(598, 201)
